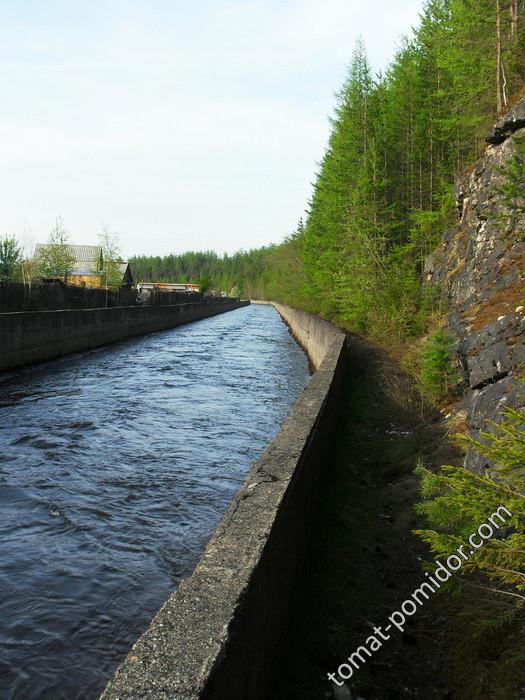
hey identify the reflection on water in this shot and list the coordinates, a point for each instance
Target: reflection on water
(115, 466)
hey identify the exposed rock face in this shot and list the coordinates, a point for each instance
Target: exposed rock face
(508, 124)
(480, 267)
(484, 405)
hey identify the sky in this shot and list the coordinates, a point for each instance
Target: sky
(176, 125)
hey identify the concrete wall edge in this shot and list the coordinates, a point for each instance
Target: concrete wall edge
(30, 337)
(219, 635)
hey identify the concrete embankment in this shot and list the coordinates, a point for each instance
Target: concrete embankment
(311, 332)
(35, 336)
(220, 635)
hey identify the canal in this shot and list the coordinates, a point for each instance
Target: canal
(115, 467)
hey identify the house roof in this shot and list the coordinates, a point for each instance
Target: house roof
(85, 253)
(81, 253)
(87, 259)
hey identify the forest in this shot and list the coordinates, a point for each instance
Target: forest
(394, 462)
(381, 201)
(251, 272)
(383, 192)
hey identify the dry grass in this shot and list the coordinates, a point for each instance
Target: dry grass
(501, 303)
(400, 387)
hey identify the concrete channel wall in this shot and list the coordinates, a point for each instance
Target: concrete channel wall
(220, 635)
(35, 336)
(311, 332)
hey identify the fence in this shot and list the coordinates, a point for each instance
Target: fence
(15, 296)
(56, 296)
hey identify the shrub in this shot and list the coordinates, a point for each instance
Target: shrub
(10, 259)
(456, 501)
(437, 371)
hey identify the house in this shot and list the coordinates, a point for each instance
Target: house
(127, 275)
(88, 267)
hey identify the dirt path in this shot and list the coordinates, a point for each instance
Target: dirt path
(364, 560)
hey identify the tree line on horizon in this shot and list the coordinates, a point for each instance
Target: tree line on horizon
(382, 199)
(383, 192)
(248, 271)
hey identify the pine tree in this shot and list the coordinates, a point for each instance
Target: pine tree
(456, 501)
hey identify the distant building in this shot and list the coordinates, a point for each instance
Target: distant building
(127, 275)
(88, 266)
(166, 292)
(169, 286)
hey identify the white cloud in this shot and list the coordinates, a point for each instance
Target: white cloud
(179, 128)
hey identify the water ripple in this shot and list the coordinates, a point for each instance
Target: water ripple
(115, 466)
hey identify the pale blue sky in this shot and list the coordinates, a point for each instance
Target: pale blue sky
(179, 125)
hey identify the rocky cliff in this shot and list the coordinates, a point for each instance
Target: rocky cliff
(480, 268)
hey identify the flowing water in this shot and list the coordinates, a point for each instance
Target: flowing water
(115, 467)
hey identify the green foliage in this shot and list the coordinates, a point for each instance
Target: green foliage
(437, 372)
(10, 259)
(252, 272)
(505, 446)
(55, 258)
(512, 190)
(205, 284)
(382, 196)
(110, 258)
(457, 501)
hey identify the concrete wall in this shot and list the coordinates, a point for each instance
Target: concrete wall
(220, 636)
(311, 332)
(36, 336)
